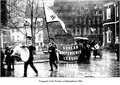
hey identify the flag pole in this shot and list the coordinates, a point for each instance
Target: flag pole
(46, 21)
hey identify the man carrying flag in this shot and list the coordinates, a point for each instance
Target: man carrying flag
(52, 17)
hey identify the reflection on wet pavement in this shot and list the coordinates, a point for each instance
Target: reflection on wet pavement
(107, 66)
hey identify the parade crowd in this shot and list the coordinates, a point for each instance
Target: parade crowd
(7, 57)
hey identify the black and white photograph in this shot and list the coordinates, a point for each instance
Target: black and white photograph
(60, 39)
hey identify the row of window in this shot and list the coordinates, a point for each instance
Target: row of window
(18, 38)
(6, 32)
(85, 21)
(15, 30)
(86, 31)
(99, 12)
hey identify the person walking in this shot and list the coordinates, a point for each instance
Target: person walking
(88, 52)
(31, 58)
(2, 64)
(8, 58)
(117, 50)
(52, 54)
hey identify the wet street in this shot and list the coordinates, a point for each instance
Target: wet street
(107, 66)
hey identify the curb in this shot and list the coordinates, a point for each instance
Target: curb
(37, 61)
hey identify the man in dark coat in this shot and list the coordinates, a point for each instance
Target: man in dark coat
(52, 52)
(2, 65)
(117, 45)
(83, 54)
(30, 60)
(88, 52)
(8, 59)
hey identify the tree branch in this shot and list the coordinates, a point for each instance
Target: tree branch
(17, 28)
(39, 30)
(15, 7)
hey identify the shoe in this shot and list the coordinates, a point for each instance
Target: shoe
(24, 76)
(51, 70)
(36, 74)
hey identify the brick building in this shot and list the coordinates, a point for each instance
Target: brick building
(111, 23)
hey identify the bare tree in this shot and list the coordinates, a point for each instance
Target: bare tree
(19, 10)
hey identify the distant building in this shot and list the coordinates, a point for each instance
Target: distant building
(5, 37)
(5, 32)
(82, 19)
(111, 23)
(3, 13)
(19, 35)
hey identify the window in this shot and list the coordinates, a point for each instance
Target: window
(76, 20)
(39, 37)
(80, 20)
(78, 31)
(4, 38)
(12, 30)
(84, 21)
(18, 36)
(88, 31)
(117, 11)
(4, 32)
(94, 21)
(84, 31)
(13, 38)
(74, 31)
(98, 20)
(108, 13)
(95, 12)
(109, 36)
(103, 15)
(17, 30)
(100, 12)
(89, 22)
(24, 37)
(98, 30)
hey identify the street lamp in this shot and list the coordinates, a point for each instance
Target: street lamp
(26, 24)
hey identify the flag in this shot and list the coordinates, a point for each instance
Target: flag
(93, 29)
(51, 17)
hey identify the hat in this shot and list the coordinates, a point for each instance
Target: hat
(29, 37)
(52, 38)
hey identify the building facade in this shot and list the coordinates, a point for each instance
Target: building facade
(111, 23)
(82, 19)
(5, 32)
(19, 35)
(5, 37)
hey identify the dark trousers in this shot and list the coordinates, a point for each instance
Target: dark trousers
(9, 63)
(26, 66)
(117, 57)
(52, 63)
